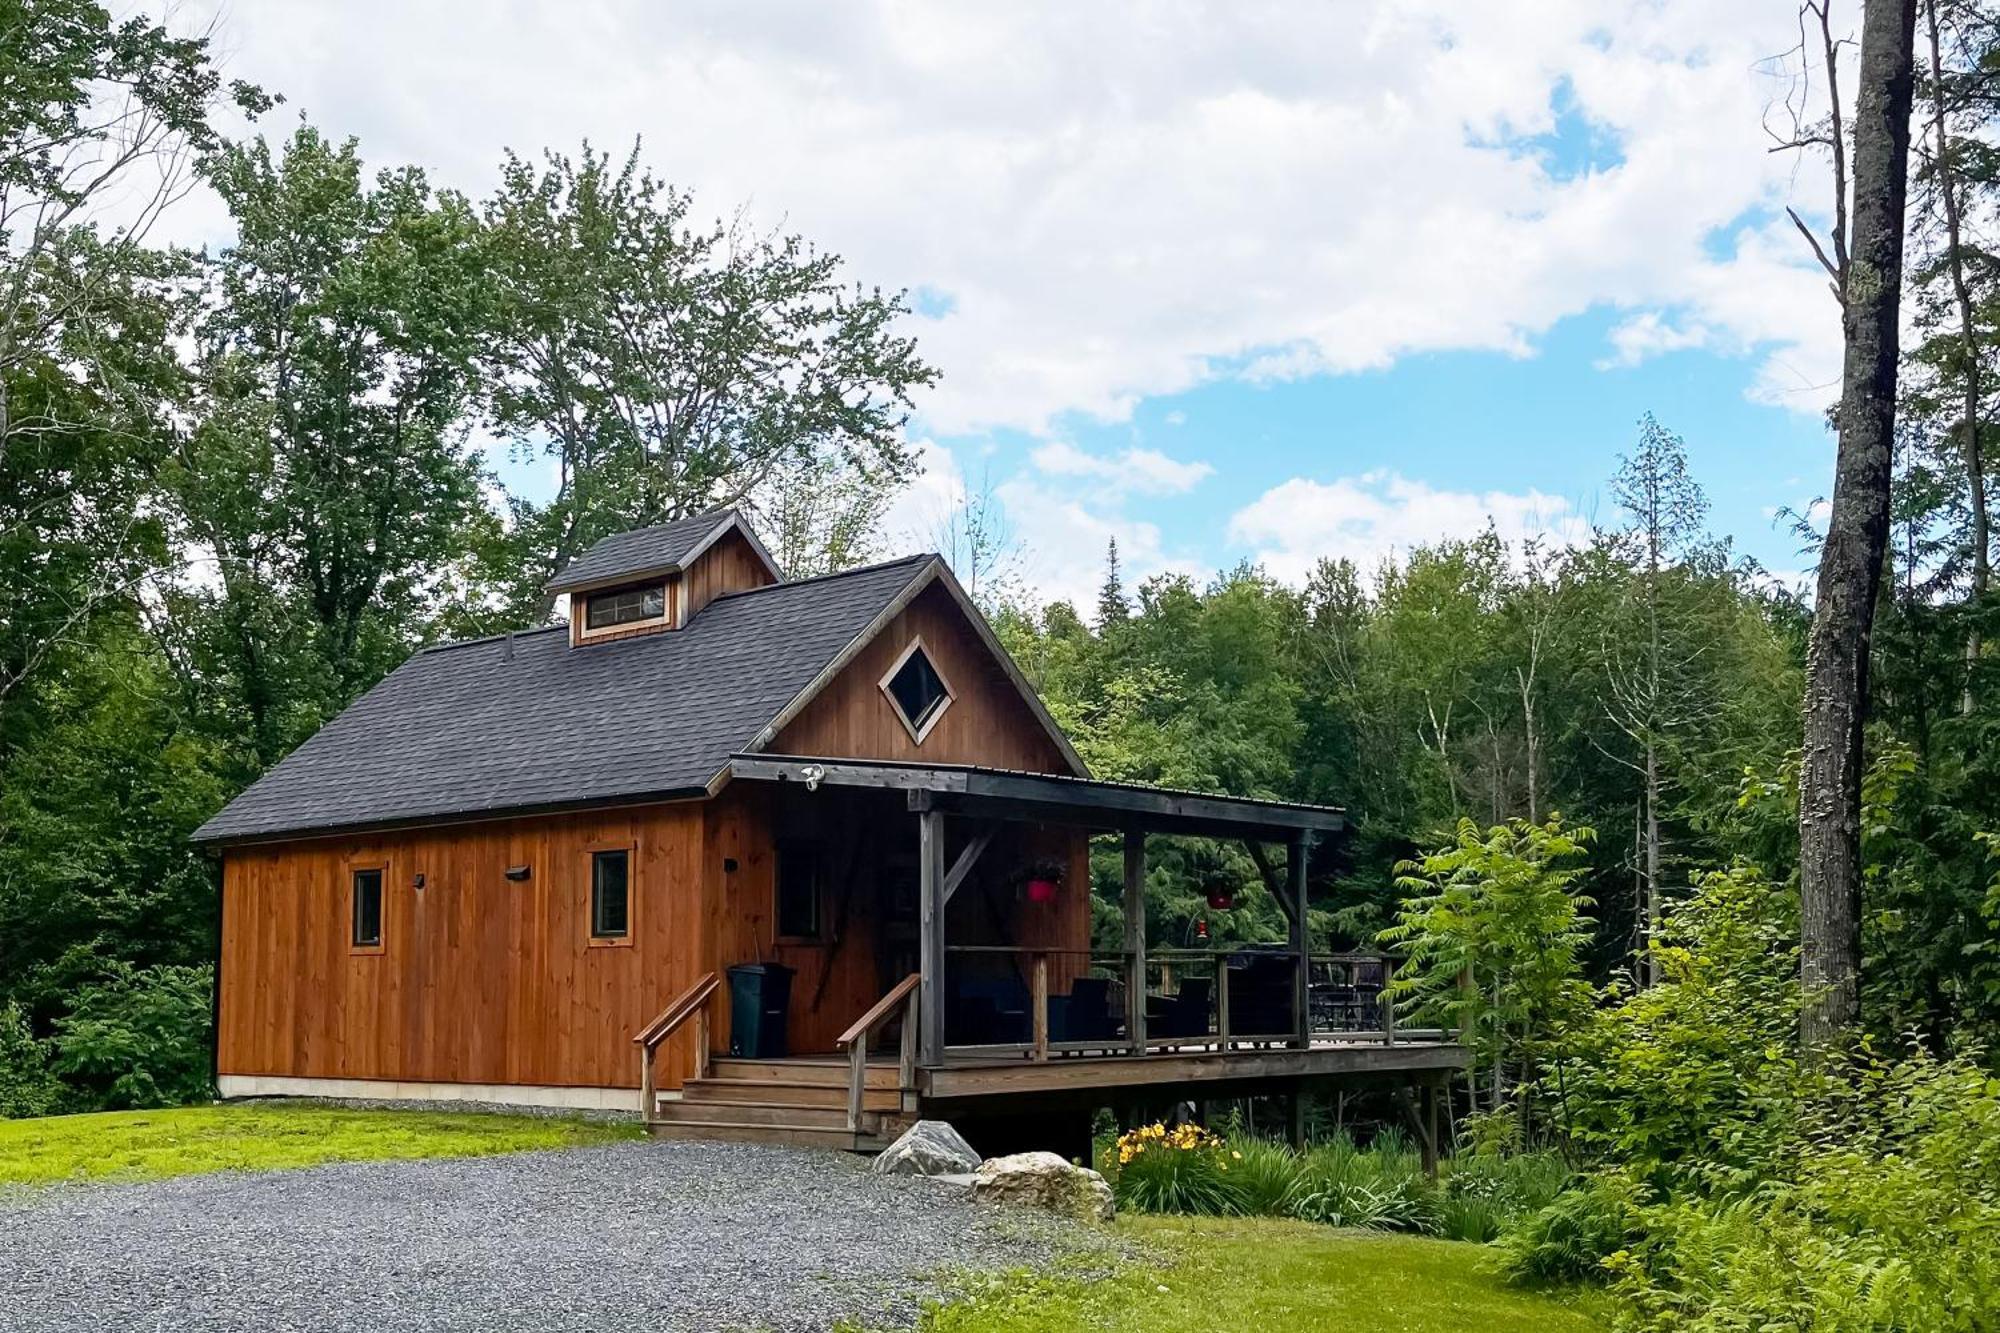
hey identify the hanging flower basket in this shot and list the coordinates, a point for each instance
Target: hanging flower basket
(1043, 881)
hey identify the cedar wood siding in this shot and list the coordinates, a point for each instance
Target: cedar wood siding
(482, 979)
(730, 565)
(987, 723)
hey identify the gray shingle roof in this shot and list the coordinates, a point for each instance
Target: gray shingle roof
(642, 551)
(480, 727)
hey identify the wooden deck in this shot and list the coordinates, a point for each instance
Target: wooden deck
(1328, 1059)
(803, 1100)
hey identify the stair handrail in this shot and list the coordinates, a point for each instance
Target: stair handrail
(690, 1003)
(902, 997)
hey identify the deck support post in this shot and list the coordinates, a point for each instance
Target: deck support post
(1297, 1127)
(1295, 889)
(1429, 1099)
(930, 930)
(1135, 941)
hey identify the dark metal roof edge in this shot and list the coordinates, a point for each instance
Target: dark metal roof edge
(1328, 818)
(480, 816)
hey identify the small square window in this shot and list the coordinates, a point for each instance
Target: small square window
(610, 895)
(625, 606)
(798, 890)
(367, 907)
(918, 691)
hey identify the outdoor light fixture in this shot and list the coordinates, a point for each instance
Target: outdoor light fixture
(517, 873)
(418, 882)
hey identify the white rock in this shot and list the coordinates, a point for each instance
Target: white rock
(1046, 1181)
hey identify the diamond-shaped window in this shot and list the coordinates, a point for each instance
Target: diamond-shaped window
(918, 692)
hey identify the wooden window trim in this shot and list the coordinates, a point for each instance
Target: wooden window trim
(353, 868)
(917, 734)
(819, 941)
(591, 938)
(580, 610)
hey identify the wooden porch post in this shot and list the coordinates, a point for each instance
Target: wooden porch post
(1295, 885)
(930, 932)
(1135, 941)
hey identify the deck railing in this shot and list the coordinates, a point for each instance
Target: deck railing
(1347, 997)
(901, 999)
(691, 1003)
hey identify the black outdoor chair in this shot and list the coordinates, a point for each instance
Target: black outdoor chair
(1260, 995)
(1180, 1015)
(988, 1012)
(1085, 1013)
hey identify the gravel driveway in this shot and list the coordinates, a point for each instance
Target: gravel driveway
(637, 1237)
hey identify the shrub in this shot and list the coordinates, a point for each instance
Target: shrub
(1887, 1218)
(27, 1085)
(141, 1038)
(1265, 1175)
(1381, 1187)
(1486, 1193)
(1572, 1238)
(1181, 1170)
(1689, 1082)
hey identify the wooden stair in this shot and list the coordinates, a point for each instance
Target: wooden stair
(801, 1103)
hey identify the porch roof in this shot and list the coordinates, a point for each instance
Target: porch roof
(1054, 798)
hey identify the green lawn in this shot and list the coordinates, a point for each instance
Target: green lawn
(1236, 1275)
(145, 1145)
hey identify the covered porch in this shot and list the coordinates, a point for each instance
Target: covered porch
(986, 1004)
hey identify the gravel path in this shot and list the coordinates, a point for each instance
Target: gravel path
(638, 1237)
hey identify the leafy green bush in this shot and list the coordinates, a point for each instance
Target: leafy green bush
(141, 1038)
(1887, 1216)
(1381, 1187)
(1689, 1081)
(1574, 1237)
(1485, 1193)
(28, 1087)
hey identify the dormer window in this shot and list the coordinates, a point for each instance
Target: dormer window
(621, 608)
(917, 691)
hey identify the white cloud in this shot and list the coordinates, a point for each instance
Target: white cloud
(1112, 201)
(1368, 517)
(1649, 334)
(1135, 470)
(1064, 537)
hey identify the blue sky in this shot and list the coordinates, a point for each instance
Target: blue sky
(1233, 280)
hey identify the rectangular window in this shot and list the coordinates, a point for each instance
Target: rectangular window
(625, 606)
(368, 909)
(798, 890)
(610, 895)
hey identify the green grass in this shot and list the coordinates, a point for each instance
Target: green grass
(146, 1145)
(1230, 1275)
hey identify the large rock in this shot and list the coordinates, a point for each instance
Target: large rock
(927, 1148)
(1046, 1181)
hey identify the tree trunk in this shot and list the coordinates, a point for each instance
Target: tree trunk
(1850, 567)
(1652, 860)
(1968, 332)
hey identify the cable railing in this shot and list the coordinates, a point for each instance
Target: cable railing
(1043, 1002)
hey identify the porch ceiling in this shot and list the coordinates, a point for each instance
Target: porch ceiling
(1049, 798)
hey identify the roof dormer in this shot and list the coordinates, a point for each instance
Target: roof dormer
(655, 579)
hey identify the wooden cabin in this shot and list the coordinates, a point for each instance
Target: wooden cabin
(521, 869)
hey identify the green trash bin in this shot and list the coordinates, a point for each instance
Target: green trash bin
(759, 995)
